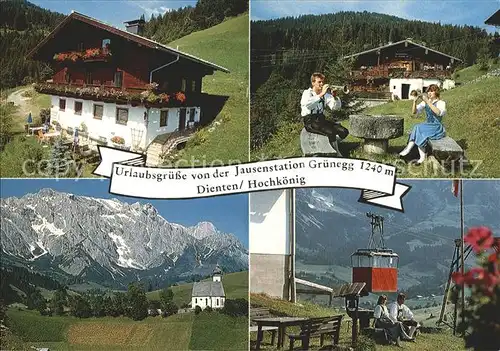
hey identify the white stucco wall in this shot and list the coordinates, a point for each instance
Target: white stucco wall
(427, 82)
(203, 302)
(396, 85)
(448, 84)
(107, 126)
(173, 119)
(269, 228)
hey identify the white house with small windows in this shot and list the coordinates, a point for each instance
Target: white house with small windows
(209, 293)
(120, 88)
(138, 126)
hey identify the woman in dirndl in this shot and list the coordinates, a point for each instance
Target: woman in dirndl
(432, 128)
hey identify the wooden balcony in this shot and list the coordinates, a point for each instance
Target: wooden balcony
(399, 73)
(130, 95)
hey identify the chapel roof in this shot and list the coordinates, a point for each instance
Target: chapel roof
(208, 289)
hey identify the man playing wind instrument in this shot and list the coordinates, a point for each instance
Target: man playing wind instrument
(313, 104)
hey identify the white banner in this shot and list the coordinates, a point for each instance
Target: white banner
(130, 177)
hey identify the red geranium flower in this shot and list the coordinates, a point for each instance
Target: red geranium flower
(180, 96)
(480, 238)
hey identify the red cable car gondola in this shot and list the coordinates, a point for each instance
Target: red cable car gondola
(375, 266)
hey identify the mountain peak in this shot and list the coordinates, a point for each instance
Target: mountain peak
(203, 229)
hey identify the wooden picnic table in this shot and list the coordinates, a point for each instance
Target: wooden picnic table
(281, 322)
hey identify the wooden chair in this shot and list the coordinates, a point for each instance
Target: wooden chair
(41, 137)
(320, 326)
(262, 312)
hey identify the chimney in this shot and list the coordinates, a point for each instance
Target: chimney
(136, 26)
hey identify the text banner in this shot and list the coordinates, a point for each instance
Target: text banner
(130, 177)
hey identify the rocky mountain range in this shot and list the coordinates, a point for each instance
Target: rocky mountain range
(331, 225)
(109, 242)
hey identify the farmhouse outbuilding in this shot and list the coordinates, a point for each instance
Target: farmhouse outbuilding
(395, 69)
(120, 88)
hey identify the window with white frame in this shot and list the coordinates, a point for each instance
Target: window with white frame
(121, 115)
(98, 111)
(163, 118)
(78, 107)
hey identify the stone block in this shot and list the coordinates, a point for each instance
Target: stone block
(312, 143)
(376, 127)
(446, 149)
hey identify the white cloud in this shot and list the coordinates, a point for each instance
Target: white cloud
(152, 7)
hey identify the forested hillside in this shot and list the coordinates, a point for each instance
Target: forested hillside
(285, 51)
(23, 25)
(183, 21)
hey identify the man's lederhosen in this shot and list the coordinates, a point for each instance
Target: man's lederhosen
(314, 117)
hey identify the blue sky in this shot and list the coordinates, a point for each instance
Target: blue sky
(228, 213)
(458, 12)
(113, 12)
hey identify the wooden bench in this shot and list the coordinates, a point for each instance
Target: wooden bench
(262, 312)
(320, 326)
(446, 149)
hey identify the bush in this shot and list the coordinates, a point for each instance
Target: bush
(208, 309)
(481, 318)
(235, 308)
(197, 310)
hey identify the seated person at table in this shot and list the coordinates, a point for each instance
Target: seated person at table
(398, 311)
(382, 320)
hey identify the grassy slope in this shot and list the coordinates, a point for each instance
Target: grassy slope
(425, 342)
(473, 116)
(220, 332)
(473, 120)
(205, 331)
(108, 333)
(226, 45)
(235, 286)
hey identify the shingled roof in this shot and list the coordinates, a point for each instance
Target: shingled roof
(494, 19)
(124, 34)
(208, 289)
(400, 42)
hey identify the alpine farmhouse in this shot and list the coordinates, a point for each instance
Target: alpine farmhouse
(209, 293)
(119, 88)
(394, 70)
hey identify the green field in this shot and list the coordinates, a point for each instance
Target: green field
(227, 45)
(473, 120)
(235, 287)
(183, 331)
(425, 342)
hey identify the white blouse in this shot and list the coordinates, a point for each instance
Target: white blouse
(440, 104)
(311, 102)
(380, 311)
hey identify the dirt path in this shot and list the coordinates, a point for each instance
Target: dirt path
(23, 102)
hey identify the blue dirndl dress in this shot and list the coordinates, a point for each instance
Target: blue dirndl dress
(431, 129)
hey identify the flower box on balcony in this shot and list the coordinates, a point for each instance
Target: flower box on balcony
(94, 54)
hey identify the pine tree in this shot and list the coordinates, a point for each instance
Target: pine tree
(338, 73)
(483, 57)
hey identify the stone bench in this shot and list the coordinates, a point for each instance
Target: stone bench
(316, 144)
(446, 149)
(376, 130)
